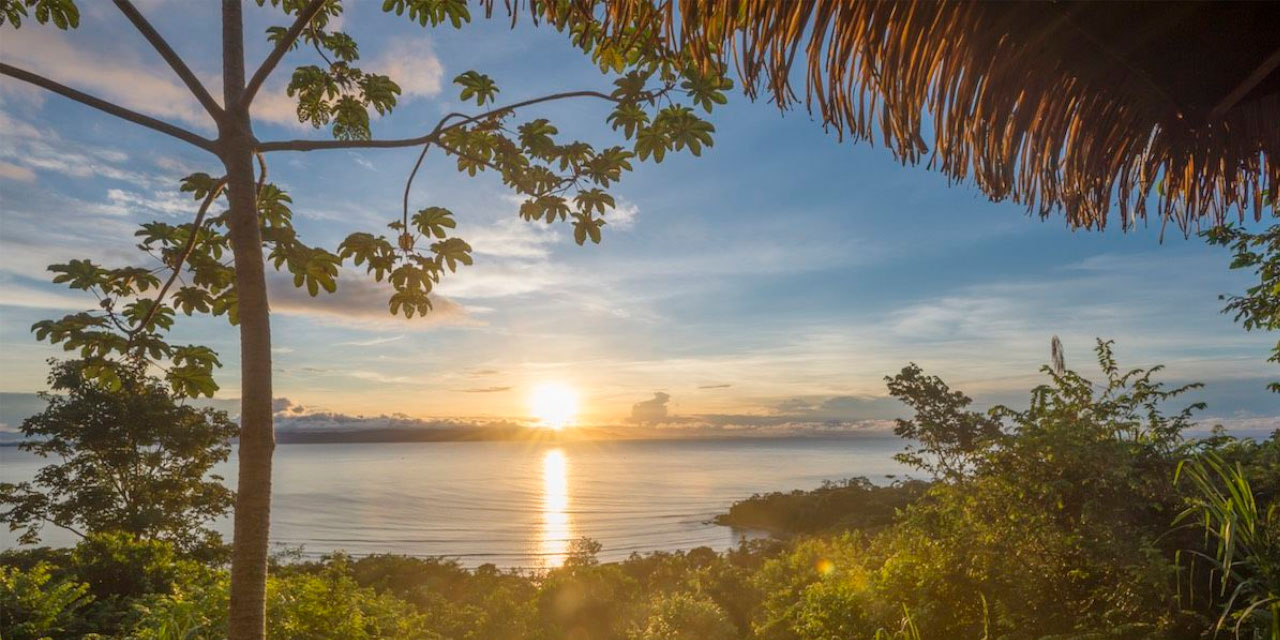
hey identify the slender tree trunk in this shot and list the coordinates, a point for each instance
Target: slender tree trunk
(257, 439)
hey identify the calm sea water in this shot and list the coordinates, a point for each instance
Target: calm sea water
(518, 504)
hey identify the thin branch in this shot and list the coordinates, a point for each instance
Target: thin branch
(64, 526)
(115, 319)
(462, 154)
(562, 183)
(286, 43)
(108, 107)
(315, 44)
(262, 172)
(418, 165)
(170, 56)
(316, 145)
(182, 259)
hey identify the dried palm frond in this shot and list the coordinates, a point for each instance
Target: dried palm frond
(1077, 107)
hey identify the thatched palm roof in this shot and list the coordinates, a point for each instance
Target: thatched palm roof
(1079, 107)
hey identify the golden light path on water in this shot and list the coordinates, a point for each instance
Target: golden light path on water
(557, 531)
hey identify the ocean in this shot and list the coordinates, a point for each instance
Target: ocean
(522, 504)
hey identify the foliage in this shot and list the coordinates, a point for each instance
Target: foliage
(854, 503)
(586, 599)
(62, 13)
(949, 436)
(215, 259)
(132, 459)
(1061, 527)
(558, 180)
(327, 604)
(1259, 307)
(122, 570)
(464, 605)
(34, 606)
(906, 630)
(820, 589)
(684, 617)
(1245, 541)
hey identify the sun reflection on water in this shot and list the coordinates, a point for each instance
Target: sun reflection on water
(556, 529)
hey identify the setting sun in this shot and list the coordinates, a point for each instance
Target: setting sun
(553, 404)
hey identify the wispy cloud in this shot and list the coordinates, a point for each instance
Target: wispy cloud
(511, 237)
(373, 341)
(361, 160)
(14, 172)
(46, 153)
(413, 64)
(382, 378)
(622, 217)
(359, 303)
(13, 294)
(119, 76)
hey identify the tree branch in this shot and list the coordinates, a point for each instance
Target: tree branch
(108, 107)
(170, 56)
(186, 253)
(316, 145)
(64, 526)
(286, 43)
(418, 165)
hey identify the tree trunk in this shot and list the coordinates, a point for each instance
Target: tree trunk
(247, 615)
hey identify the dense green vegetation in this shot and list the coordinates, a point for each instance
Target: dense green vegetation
(1258, 308)
(129, 456)
(851, 504)
(1086, 515)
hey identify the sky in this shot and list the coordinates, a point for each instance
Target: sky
(775, 280)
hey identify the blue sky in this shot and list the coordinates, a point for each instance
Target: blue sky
(783, 274)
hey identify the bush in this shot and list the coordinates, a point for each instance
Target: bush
(852, 504)
(34, 606)
(323, 605)
(684, 617)
(121, 570)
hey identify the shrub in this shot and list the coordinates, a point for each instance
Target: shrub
(34, 606)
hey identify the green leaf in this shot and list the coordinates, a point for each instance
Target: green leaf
(431, 12)
(379, 92)
(593, 199)
(79, 274)
(450, 252)
(652, 141)
(64, 14)
(535, 137)
(350, 119)
(433, 221)
(584, 227)
(342, 46)
(629, 117)
(476, 85)
(192, 299)
(199, 185)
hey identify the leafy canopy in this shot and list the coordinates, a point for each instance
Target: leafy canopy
(131, 459)
(654, 104)
(1259, 307)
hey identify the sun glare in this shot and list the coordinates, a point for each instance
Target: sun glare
(553, 404)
